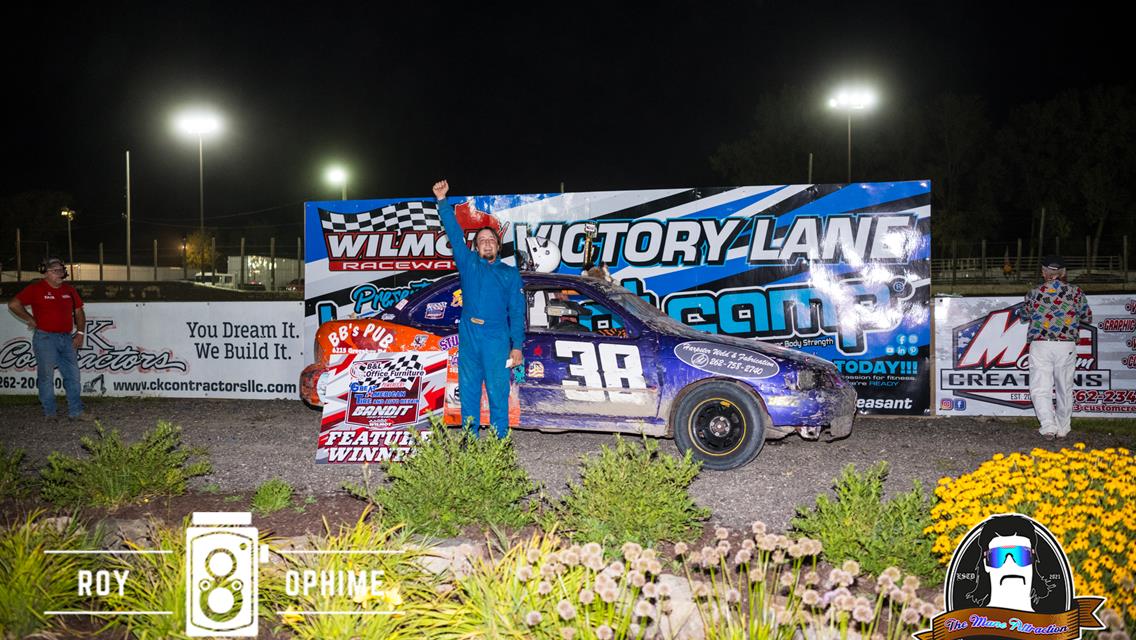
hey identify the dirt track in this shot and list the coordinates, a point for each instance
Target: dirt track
(252, 441)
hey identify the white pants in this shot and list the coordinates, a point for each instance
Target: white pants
(1051, 368)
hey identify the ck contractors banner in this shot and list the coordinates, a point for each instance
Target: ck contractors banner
(840, 271)
(982, 359)
(173, 349)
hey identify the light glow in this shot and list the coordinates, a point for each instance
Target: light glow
(853, 99)
(198, 123)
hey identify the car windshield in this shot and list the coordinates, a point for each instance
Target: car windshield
(640, 308)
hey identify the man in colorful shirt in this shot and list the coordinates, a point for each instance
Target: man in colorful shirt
(492, 327)
(1054, 312)
(56, 310)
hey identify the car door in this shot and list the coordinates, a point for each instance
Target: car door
(585, 358)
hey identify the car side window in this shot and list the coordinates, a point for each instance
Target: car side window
(558, 310)
(442, 310)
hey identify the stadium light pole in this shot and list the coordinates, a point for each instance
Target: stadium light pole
(851, 99)
(70, 215)
(199, 123)
(338, 176)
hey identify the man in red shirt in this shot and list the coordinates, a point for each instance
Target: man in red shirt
(55, 311)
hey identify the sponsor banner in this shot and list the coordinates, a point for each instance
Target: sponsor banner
(982, 358)
(372, 401)
(175, 350)
(839, 271)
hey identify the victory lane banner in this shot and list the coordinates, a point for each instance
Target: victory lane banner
(982, 358)
(173, 350)
(839, 271)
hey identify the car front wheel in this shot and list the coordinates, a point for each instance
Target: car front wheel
(721, 424)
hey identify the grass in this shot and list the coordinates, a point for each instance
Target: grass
(272, 496)
(115, 473)
(32, 581)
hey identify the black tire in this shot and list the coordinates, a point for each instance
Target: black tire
(722, 424)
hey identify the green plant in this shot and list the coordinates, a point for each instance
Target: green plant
(116, 474)
(630, 493)
(13, 484)
(767, 586)
(212, 488)
(451, 481)
(395, 589)
(33, 581)
(859, 525)
(272, 496)
(157, 583)
(543, 590)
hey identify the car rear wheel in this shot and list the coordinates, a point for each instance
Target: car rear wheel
(721, 423)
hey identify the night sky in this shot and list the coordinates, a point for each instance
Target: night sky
(602, 96)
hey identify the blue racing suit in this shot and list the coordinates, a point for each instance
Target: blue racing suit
(492, 323)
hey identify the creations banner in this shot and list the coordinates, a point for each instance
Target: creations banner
(839, 271)
(982, 359)
(173, 350)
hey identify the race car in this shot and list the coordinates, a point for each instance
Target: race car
(597, 357)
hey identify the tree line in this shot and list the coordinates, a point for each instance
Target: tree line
(992, 174)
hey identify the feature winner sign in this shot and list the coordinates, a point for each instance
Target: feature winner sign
(982, 358)
(839, 271)
(373, 398)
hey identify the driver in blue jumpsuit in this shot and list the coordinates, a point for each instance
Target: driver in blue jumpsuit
(492, 326)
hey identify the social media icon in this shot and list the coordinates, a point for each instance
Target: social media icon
(913, 339)
(901, 351)
(946, 405)
(960, 404)
(222, 559)
(890, 350)
(901, 339)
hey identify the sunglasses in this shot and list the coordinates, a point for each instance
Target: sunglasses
(997, 556)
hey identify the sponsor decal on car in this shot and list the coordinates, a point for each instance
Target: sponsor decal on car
(713, 357)
(435, 310)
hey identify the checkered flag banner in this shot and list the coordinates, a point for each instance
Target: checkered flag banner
(396, 369)
(400, 217)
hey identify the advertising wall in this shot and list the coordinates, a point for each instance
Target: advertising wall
(174, 349)
(982, 359)
(840, 271)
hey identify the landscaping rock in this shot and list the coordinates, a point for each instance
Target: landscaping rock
(682, 620)
(453, 555)
(119, 531)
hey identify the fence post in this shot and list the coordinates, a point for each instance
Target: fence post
(984, 259)
(1018, 269)
(242, 261)
(954, 261)
(100, 262)
(272, 263)
(299, 258)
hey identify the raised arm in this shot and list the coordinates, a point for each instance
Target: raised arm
(456, 235)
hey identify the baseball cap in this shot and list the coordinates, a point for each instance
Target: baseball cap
(1053, 262)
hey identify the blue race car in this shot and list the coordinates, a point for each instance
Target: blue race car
(600, 358)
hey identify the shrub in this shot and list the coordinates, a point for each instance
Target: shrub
(406, 591)
(767, 586)
(13, 484)
(32, 581)
(630, 493)
(859, 525)
(451, 481)
(272, 496)
(1086, 498)
(116, 474)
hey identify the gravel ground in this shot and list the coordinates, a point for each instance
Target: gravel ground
(252, 441)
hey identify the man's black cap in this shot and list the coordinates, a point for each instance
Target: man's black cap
(1053, 262)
